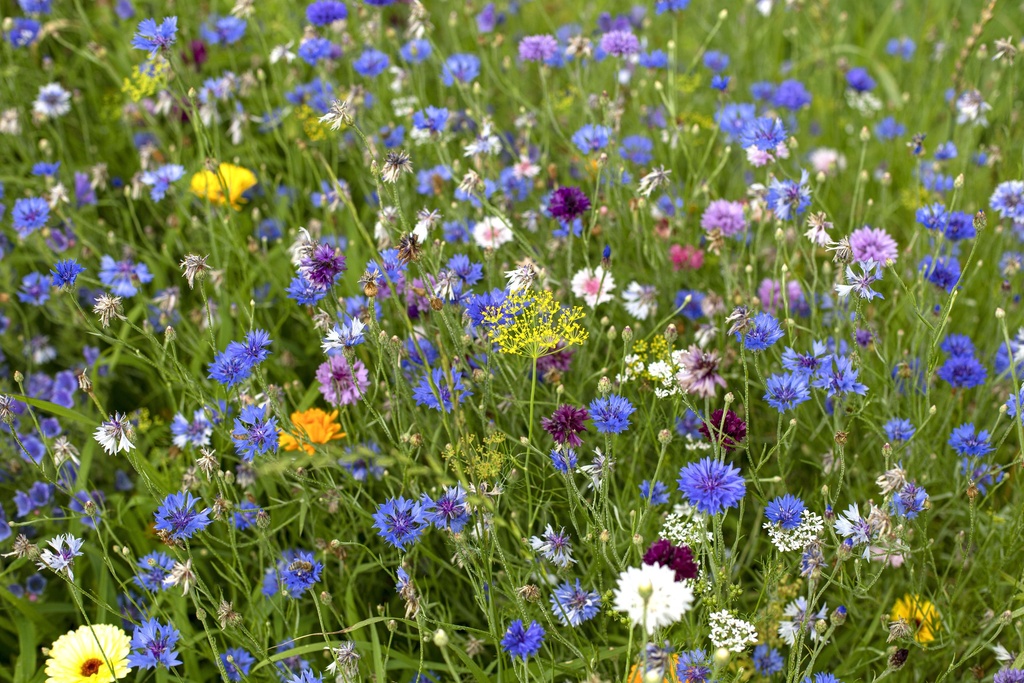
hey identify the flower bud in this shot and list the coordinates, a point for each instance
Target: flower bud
(898, 658)
(440, 638)
(839, 615)
(627, 334)
(664, 437)
(721, 656)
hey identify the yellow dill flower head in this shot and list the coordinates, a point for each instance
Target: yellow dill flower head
(531, 323)
(311, 426)
(922, 614)
(82, 656)
(235, 180)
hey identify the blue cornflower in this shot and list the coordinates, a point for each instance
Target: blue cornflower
(176, 516)
(733, 119)
(65, 273)
(889, 129)
(371, 63)
(720, 82)
(591, 138)
(463, 68)
(304, 292)
(765, 133)
(712, 486)
(611, 414)
(255, 432)
(29, 214)
(305, 676)
(123, 277)
(416, 51)
(326, 12)
(470, 273)
(572, 605)
(963, 372)
(788, 198)
(229, 367)
(964, 441)
(24, 32)
(806, 364)
(790, 94)
(960, 226)
(859, 79)
(223, 30)
(764, 331)
(691, 309)
(153, 570)
(983, 474)
(439, 396)
(564, 459)
(901, 47)
(1013, 404)
(654, 494)
(822, 678)
(947, 150)
(523, 642)
(313, 50)
(957, 345)
(301, 573)
(662, 6)
(716, 61)
(155, 38)
(449, 511)
(245, 515)
(431, 118)
(933, 216)
(898, 430)
(693, 666)
(785, 392)
(194, 432)
(45, 169)
(255, 348)
(840, 378)
(237, 663)
(637, 149)
(786, 511)
(153, 644)
(36, 6)
(554, 546)
(160, 179)
(910, 500)
(35, 289)
(400, 521)
(1008, 200)
(767, 660)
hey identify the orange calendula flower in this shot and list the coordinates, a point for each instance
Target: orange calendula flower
(920, 614)
(311, 426)
(224, 187)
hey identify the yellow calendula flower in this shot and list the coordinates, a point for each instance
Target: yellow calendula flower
(91, 654)
(311, 426)
(226, 186)
(920, 614)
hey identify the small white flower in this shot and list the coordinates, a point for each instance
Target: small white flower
(788, 540)
(640, 300)
(52, 102)
(593, 285)
(114, 434)
(651, 596)
(521, 278)
(67, 548)
(730, 632)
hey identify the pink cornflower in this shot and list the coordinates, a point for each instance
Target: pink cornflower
(873, 244)
(686, 257)
(342, 383)
(698, 372)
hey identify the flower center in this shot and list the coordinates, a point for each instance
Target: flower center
(91, 667)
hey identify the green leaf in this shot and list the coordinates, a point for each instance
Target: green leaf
(54, 409)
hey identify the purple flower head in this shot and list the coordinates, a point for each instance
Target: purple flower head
(728, 428)
(65, 273)
(860, 80)
(342, 382)
(677, 558)
(620, 43)
(463, 68)
(964, 441)
(572, 604)
(538, 48)
(568, 203)
(301, 573)
(29, 214)
(449, 511)
(177, 517)
(323, 266)
(789, 198)
(565, 424)
(255, 432)
(725, 216)
(873, 244)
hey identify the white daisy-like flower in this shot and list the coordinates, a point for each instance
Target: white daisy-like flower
(340, 336)
(640, 300)
(800, 618)
(521, 278)
(651, 596)
(593, 285)
(114, 435)
(52, 102)
(730, 632)
(492, 232)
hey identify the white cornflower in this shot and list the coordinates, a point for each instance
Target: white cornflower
(641, 301)
(971, 108)
(492, 232)
(181, 574)
(340, 336)
(66, 548)
(593, 285)
(114, 434)
(653, 180)
(521, 278)
(800, 618)
(283, 52)
(730, 632)
(651, 596)
(52, 102)
(788, 540)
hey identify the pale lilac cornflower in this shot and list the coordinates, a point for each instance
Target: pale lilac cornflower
(873, 244)
(342, 382)
(65, 549)
(860, 283)
(114, 434)
(698, 371)
(620, 43)
(537, 48)
(554, 547)
(724, 215)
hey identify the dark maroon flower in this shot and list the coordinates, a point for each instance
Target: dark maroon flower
(196, 54)
(677, 558)
(557, 362)
(568, 203)
(323, 266)
(729, 433)
(565, 423)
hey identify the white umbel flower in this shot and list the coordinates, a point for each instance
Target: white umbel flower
(730, 632)
(788, 540)
(651, 596)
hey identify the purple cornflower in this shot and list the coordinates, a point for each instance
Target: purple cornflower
(964, 441)
(153, 570)
(568, 204)
(565, 424)
(326, 12)
(65, 273)
(620, 43)
(255, 432)
(153, 645)
(785, 392)
(123, 277)
(873, 244)
(728, 431)
(237, 663)
(786, 511)
(764, 332)
(400, 521)
(678, 558)
(1009, 676)
(788, 198)
(724, 215)
(342, 382)
(963, 372)
(911, 500)
(693, 666)
(177, 517)
(29, 214)
(765, 133)
(611, 414)
(301, 573)
(790, 94)
(155, 38)
(523, 642)
(449, 511)
(839, 377)
(538, 48)
(572, 604)
(439, 393)
(323, 266)
(554, 546)
(712, 486)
